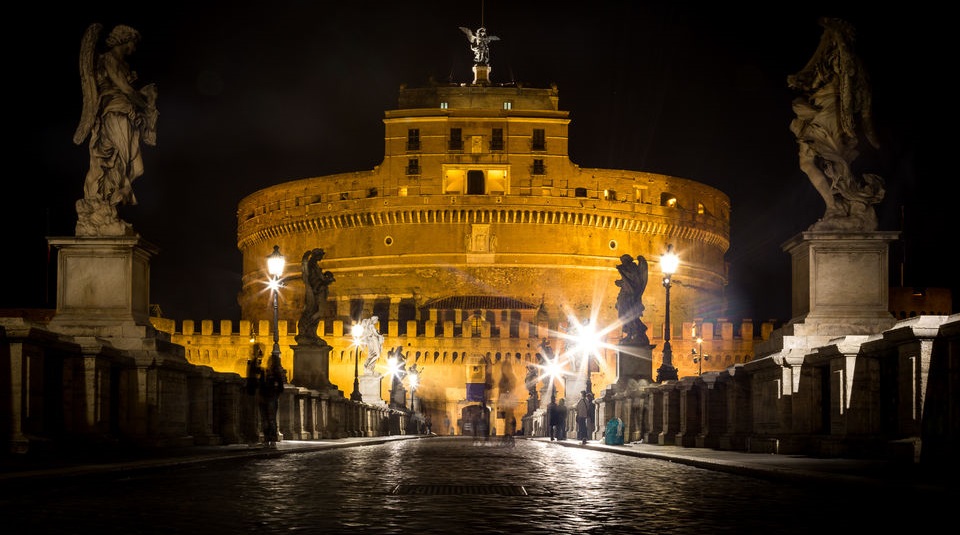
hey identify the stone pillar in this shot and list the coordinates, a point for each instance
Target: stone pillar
(671, 414)
(654, 411)
(689, 392)
(738, 421)
(712, 411)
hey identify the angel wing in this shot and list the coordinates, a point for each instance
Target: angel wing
(88, 82)
(469, 33)
(492, 38)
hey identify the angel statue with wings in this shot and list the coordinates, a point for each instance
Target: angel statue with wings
(117, 118)
(632, 283)
(371, 338)
(480, 44)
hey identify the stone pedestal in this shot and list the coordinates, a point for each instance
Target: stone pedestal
(840, 287)
(398, 397)
(370, 388)
(635, 363)
(311, 367)
(481, 75)
(103, 289)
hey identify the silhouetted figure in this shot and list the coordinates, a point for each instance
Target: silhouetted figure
(316, 285)
(584, 411)
(552, 418)
(267, 384)
(632, 283)
(560, 424)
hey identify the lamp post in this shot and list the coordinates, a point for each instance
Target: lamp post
(587, 343)
(270, 382)
(698, 356)
(668, 265)
(414, 380)
(275, 265)
(356, 331)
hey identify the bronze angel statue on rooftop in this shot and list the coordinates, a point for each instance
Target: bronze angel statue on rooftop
(479, 44)
(116, 118)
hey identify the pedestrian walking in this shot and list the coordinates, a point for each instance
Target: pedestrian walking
(552, 418)
(561, 420)
(584, 410)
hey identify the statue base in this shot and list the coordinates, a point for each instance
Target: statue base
(840, 288)
(370, 388)
(311, 367)
(103, 289)
(634, 362)
(481, 75)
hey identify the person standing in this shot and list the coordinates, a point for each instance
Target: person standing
(561, 421)
(583, 411)
(552, 418)
(271, 387)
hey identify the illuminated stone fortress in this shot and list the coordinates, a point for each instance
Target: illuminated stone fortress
(476, 239)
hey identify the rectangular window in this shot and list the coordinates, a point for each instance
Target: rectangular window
(444, 105)
(413, 166)
(538, 167)
(413, 139)
(496, 140)
(507, 105)
(456, 139)
(539, 139)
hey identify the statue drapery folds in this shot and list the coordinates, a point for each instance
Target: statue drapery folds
(833, 113)
(117, 118)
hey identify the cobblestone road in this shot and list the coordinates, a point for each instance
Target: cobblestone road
(447, 485)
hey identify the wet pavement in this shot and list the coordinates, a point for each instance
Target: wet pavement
(410, 484)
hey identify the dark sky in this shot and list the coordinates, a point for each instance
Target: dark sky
(258, 93)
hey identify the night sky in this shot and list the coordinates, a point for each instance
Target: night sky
(253, 94)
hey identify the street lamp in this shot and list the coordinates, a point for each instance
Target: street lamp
(270, 382)
(588, 343)
(414, 378)
(356, 331)
(698, 356)
(668, 265)
(275, 265)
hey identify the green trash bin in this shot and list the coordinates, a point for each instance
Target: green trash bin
(613, 434)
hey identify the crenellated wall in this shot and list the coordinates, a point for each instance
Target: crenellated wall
(444, 348)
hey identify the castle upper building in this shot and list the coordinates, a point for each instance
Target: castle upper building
(477, 200)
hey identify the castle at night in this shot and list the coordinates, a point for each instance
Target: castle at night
(477, 241)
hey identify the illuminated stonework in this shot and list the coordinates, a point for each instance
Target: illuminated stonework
(477, 198)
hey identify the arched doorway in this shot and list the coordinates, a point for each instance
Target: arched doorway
(475, 421)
